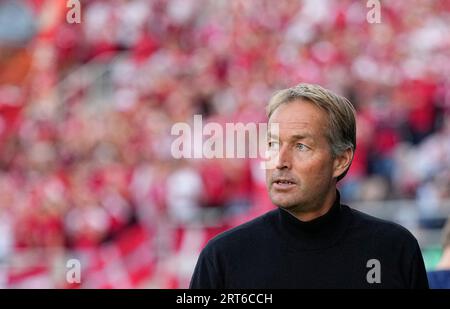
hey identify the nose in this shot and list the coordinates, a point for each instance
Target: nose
(284, 158)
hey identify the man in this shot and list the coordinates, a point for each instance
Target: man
(311, 240)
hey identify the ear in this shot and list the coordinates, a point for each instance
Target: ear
(342, 162)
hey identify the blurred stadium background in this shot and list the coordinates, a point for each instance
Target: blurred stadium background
(86, 111)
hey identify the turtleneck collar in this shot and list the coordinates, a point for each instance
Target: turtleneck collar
(321, 232)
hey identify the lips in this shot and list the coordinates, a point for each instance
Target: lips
(283, 184)
(283, 180)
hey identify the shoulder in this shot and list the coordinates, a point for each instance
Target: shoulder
(244, 234)
(379, 228)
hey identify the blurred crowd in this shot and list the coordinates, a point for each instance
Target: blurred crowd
(86, 112)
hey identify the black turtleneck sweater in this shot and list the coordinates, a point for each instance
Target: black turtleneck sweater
(342, 249)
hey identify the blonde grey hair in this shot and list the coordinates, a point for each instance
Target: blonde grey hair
(341, 114)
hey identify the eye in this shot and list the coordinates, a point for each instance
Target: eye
(272, 145)
(301, 147)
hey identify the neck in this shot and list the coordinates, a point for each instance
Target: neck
(316, 211)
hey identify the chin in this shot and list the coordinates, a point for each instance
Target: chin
(284, 202)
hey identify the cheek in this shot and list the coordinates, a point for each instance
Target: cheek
(269, 173)
(316, 167)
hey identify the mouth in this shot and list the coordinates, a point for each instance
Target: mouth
(283, 184)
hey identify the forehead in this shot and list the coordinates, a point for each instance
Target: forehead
(300, 117)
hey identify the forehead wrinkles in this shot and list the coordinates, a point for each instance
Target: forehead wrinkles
(298, 127)
(300, 115)
(298, 118)
(295, 125)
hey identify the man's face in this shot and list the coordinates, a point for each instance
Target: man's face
(303, 172)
